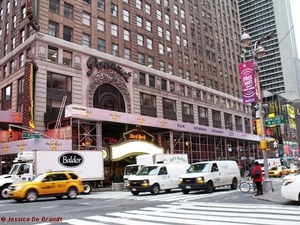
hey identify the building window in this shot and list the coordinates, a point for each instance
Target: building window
(86, 18)
(147, 8)
(162, 66)
(14, 21)
(150, 62)
(5, 72)
(148, 26)
(53, 29)
(68, 11)
(141, 59)
(101, 45)
(101, 4)
(149, 43)
(142, 78)
(12, 66)
(139, 21)
(164, 84)
(67, 58)
(6, 98)
(203, 116)
(68, 33)
(161, 49)
(158, 15)
(148, 100)
(87, 1)
(148, 105)
(22, 36)
(21, 60)
(125, 15)
(159, 31)
(114, 50)
(58, 81)
(126, 35)
(127, 53)
(100, 24)
(187, 113)
(138, 4)
(151, 81)
(24, 12)
(169, 109)
(114, 10)
(5, 49)
(53, 6)
(216, 116)
(52, 54)
(13, 43)
(140, 40)
(86, 40)
(20, 95)
(114, 30)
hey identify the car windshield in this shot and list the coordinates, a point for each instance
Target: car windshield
(147, 170)
(131, 170)
(38, 177)
(274, 168)
(199, 168)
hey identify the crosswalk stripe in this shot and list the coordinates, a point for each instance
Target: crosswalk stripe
(198, 213)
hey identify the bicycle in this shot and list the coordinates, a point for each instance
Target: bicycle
(246, 185)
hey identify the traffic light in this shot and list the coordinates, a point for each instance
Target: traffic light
(9, 132)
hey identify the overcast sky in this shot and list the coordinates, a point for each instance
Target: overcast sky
(295, 5)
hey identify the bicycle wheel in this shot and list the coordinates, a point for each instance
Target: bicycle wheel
(244, 187)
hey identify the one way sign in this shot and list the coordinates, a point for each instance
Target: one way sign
(273, 145)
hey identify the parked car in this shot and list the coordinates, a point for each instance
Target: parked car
(278, 171)
(290, 188)
(49, 184)
(293, 169)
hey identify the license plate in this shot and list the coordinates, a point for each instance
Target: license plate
(188, 187)
(133, 189)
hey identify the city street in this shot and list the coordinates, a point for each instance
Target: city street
(224, 206)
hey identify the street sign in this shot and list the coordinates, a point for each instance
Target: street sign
(274, 121)
(27, 135)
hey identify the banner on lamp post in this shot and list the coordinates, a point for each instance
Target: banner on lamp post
(247, 75)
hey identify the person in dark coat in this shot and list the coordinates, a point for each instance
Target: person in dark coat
(112, 178)
(258, 180)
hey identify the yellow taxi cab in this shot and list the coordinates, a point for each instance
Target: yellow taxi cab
(50, 184)
(293, 169)
(278, 171)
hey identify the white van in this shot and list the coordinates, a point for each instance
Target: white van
(210, 175)
(157, 177)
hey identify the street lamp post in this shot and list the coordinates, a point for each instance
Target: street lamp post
(258, 51)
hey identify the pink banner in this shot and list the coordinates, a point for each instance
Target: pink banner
(247, 75)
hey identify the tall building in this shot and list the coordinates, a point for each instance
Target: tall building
(279, 69)
(161, 74)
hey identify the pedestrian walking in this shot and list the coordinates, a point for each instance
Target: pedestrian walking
(112, 178)
(257, 178)
(250, 175)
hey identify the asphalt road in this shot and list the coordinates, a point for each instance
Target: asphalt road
(106, 202)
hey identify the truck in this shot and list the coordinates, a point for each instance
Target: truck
(271, 161)
(148, 159)
(87, 164)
